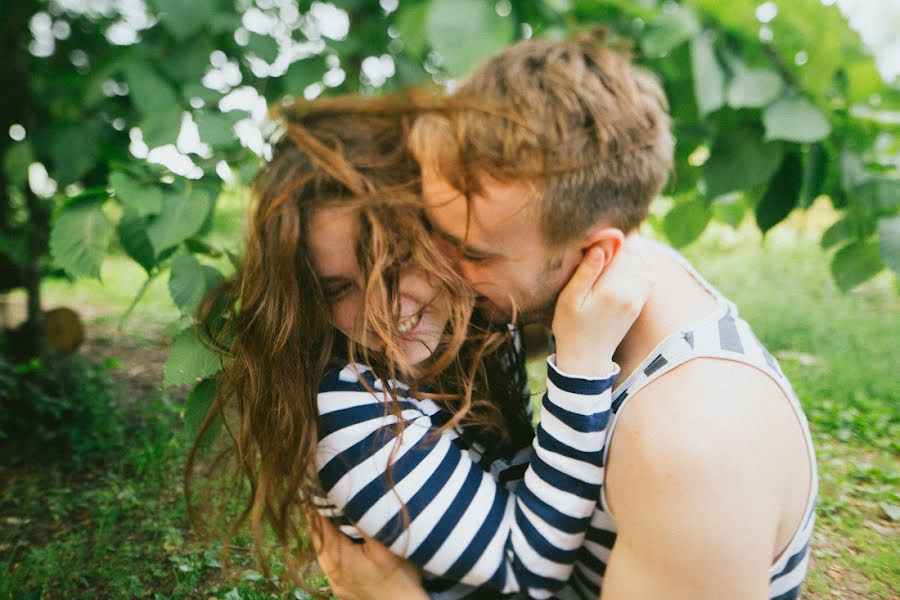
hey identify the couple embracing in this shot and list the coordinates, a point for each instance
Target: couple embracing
(375, 371)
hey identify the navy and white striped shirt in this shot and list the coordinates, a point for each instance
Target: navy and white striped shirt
(466, 529)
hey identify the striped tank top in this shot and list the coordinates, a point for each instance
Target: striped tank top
(722, 334)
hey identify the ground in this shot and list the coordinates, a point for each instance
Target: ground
(112, 524)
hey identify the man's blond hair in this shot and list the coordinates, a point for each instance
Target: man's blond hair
(574, 117)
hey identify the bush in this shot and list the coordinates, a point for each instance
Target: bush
(63, 405)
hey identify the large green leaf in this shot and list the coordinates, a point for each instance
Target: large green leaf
(189, 360)
(215, 129)
(889, 241)
(303, 73)
(142, 198)
(686, 221)
(740, 159)
(863, 80)
(879, 194)
(184, 18)
(182, 216)
(150, 93)
(815, 168)
(16, 161)
(410, 25)
(752, 88)
(465, 32)
(263, 46)
(669, 31)
(74, 153)
(795, 120)
(782, 194)
(132, 230)
(855, 263)
(709, 80)
(80, 237)
(197, 406)
(157, 102)
(189, 281)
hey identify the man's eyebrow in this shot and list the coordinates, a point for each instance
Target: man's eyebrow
(463, 246)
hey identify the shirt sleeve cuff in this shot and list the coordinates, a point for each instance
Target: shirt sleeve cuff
(577, 384)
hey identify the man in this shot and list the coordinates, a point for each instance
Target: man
(552, 149)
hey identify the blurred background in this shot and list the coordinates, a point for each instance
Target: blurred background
(130, 129)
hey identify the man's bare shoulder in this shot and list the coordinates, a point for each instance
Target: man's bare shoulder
(712, 428)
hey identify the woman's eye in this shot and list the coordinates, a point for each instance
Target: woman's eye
(334, 292)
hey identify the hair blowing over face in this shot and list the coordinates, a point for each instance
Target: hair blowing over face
(271, 321)
(576, 118)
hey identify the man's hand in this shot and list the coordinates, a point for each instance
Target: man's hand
(364, 571)
(597, 308)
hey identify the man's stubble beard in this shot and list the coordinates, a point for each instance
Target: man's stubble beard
(541, 304)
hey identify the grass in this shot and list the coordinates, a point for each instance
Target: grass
(116, 528)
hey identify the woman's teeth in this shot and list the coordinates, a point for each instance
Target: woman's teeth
(409, 323)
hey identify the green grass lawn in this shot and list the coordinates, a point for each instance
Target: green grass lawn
(112, 523)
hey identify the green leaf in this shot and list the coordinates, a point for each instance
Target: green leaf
(815, 168)
(709, 80)
(182, 215)
(150, 93)
(465, 32)
(879, 194)
(795, 120)
(142, 198)
(215, 129)
(80, 237)
(686, 221)
(855, 263)
(836, 233)
(668, 32)
(730, 209)
(189, 360)
(16, 161)
(740, 159)
(160, 129)
(132, 230)
(752, 88)
(863, 80)
(302, 73)
(410, 25)
(197, 406)
(189, 282)
(782, 194)
(74, 153)
(185, 18)
(889, 241)
(263, 46)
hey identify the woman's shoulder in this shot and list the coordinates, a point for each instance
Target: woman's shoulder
(357, 384)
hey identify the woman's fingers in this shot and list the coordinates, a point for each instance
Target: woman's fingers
(585, 275)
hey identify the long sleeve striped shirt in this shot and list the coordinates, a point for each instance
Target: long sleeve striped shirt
(439, 506)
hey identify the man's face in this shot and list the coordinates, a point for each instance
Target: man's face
(497, 243)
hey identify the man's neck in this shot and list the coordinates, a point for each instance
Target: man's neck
(677, 300)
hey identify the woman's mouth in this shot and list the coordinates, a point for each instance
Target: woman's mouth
(410, 323)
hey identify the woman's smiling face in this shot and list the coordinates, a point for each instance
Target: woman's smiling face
(333, 235)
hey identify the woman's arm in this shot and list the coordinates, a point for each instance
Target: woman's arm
(444, 512)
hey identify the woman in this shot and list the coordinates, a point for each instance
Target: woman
(354, 390)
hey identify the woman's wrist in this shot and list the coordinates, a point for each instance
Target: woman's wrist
(585, 367)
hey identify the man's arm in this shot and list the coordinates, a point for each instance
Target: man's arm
(697, 480)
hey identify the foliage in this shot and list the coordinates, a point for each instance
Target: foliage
(62, 406)
(767, 116)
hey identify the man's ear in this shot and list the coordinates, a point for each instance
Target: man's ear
(608, 239)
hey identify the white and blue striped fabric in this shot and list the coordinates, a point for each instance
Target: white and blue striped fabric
(445, 510)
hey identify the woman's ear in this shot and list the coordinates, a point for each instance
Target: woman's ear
(607, 239)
